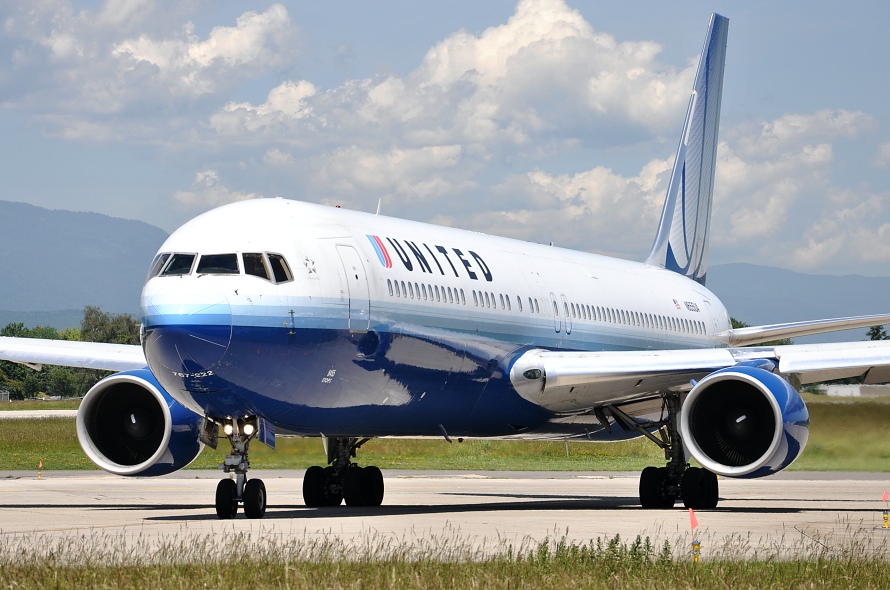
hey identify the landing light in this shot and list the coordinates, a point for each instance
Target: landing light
(248, 429)
(228, 429)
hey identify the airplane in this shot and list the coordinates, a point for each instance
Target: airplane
(274, 314)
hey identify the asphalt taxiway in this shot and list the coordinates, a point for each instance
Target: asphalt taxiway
(785, 514)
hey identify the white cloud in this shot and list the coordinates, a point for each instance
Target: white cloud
(545, 71)
(772, 138)
(882, 158)
(187, 64)
(415, 175)
(483, 133)
(286, 103)
(132, 60)
(206, 191)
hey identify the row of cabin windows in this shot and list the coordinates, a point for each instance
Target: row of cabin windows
(426, 292)
(265, 265)
(578, 311)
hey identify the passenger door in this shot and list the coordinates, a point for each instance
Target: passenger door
(357, 285)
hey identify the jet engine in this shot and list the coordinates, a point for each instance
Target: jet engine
(744, 421)
(128, 425)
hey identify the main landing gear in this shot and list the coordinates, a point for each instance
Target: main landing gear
(661, 487)
(232, 492)
(342, 479)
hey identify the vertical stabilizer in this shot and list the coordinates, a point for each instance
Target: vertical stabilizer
(681, 244)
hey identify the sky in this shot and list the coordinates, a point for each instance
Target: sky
(543, 120)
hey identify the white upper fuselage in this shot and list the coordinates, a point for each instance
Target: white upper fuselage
(578, 300)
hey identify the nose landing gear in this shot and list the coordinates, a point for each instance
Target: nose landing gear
(232, 492)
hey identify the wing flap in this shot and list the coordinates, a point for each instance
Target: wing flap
(35, 352)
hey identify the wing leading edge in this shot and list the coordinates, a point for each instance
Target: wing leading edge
(35, 352)
(757, 334)
(576, 381)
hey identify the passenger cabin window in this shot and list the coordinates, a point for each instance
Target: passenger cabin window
(218, 264)
(255, 265)
(280, 269)
(180, 264)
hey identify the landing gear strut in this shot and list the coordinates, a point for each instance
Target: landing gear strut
(232, 492)
(660, 487)
(343, 479)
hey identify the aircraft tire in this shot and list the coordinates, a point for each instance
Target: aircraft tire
(353, 486)
(710, 489)
(331, 499)
(314, 487)
(652, 488)
(226, 500)
(254, 498)
(691, 488)
(372, 480)
(700, 488)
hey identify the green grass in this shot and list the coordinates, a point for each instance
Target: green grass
(36, 404)
(845, 435)
(98, 562)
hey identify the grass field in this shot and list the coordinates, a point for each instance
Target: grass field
(845, 434)
(297, 562)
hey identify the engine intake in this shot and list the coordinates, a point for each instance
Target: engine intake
(744, 421)
(128, 425)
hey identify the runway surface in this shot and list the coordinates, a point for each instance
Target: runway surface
(785, 514)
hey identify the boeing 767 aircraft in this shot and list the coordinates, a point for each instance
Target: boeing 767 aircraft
(348, 326)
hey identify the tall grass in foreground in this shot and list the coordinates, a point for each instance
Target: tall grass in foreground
(265, 560)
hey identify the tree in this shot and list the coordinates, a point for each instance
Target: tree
(877, 333)
(96, 326)
(100, 326)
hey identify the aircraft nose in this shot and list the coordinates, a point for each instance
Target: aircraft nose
(187, 333)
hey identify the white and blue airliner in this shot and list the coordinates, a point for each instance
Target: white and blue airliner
(272, 314)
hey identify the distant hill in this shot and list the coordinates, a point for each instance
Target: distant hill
(53, 263)
(767, 295)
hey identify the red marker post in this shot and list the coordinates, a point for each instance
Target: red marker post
(696, 545)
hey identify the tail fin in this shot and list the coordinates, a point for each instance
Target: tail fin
(681, 244)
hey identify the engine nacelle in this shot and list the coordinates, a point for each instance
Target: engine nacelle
(744, 421)
(128, 425)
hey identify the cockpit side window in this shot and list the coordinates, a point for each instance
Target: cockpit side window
(180, 264)
(218, 264)
(280, 268)
(158, 263)
(255, 266)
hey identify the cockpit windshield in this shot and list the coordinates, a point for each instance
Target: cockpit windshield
(218, 264)
(180, 264)
(265, 265)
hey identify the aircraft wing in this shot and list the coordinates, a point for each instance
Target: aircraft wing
(575, 381)
(36, 352)
(756, 334)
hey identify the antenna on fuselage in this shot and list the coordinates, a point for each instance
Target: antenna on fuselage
(379, 202)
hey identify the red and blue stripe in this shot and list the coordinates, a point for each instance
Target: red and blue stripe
(382, 254)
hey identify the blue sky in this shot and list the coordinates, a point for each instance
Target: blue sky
(543, 120)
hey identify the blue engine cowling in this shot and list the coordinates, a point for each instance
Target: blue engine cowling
(744, 421)
(128, 425)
